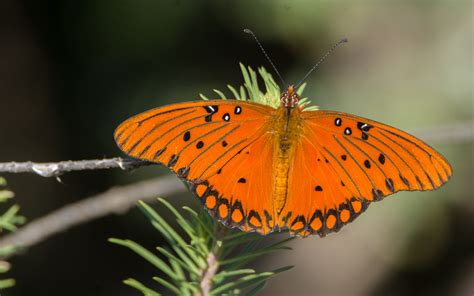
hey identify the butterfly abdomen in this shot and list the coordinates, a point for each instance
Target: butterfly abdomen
(287, 133)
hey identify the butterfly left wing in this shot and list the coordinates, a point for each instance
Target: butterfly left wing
(222, 148)
(343, 162)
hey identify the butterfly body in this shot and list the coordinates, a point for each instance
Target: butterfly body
(289, 123)
(262, 169)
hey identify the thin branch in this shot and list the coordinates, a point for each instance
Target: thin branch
(208, 274)
(116, 200)
(55, 169)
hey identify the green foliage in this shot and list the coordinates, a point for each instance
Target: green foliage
(9, 221)
(203, 256)
(251, 90)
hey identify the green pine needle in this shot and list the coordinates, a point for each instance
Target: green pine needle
(140, 287)
(251, 90)
(9, 221)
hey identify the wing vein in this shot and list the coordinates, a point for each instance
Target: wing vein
(380, 151)
(161, 113)
(396, 153)
(371, 159)
(350, 154)
(202, 136)
(229, 150)
(412, 156)
(214, 143)
(345, 171)
(173, 128)
(155, 128)
(419, 147)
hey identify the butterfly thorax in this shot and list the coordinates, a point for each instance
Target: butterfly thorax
(287, 121)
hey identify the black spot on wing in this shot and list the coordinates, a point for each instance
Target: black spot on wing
(377, 194)
(268, 218)
(254, 214)
(183, 172)
(159, 152)
(419, 182)
(212, 109)
(367, 163)
(226, 117)
(187, 136)
(299, 218)
(173, 159)
(389, 184)
(404, 180)
(364, 126)
(381, 158)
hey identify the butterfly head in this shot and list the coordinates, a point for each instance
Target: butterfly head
(289, 98)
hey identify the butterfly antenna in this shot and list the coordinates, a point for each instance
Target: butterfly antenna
(343, 40)
(266, 55)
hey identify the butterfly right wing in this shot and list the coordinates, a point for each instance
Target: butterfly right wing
(343, 162)
(222, 148)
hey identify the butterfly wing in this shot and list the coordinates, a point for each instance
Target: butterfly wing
(222, 148)
(343, 162)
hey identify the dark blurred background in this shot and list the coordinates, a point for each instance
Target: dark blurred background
(71, 71)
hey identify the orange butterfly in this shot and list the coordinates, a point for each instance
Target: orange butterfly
(262, 169)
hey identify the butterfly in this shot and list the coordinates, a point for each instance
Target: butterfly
(259, 168)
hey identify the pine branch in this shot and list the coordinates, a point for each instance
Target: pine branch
(209, 273)
(192, 264)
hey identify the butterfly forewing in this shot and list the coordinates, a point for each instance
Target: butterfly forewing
(382, 151)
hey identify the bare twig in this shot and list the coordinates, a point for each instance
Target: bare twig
(208, 274)
(55, 169)
(114, 201)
